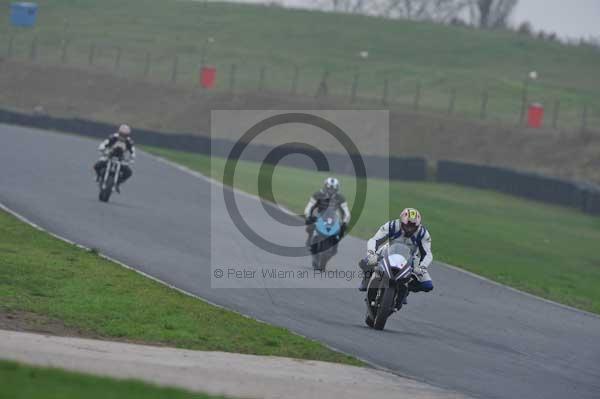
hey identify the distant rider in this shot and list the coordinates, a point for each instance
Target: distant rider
(121, 138)
(328, 196)
(409, 231)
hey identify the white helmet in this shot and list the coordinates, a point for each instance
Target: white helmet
(410, 220)
(124, 130)
(331, 185)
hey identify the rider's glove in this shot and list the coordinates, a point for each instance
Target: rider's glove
(371, 258)
(310, 220)
(417, 268)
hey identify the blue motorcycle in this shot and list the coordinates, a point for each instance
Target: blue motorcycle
(327, 234)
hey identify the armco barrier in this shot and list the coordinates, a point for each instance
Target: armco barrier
(592, 201)
(396, 168)
(522, 184)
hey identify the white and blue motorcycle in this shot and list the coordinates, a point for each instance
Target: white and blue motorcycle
(388, 286)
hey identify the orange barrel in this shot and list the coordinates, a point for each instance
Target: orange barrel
(208, 76)
(535, 116)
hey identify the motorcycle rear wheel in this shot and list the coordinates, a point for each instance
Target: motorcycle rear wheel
(319, 260)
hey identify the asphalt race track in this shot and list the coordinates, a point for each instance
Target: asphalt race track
(467, 335)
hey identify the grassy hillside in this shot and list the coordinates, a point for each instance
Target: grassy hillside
(546, 250)
(442, 58)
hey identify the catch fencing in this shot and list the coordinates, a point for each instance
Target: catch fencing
(354, 85)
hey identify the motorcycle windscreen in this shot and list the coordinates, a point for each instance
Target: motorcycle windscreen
(398, 258)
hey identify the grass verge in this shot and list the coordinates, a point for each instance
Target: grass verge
(142, 37)
(46, 276)
(546, 250)
(36, 382)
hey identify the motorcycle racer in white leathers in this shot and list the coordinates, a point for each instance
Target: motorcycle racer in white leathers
(409, 231)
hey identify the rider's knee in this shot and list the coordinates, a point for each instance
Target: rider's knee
(426, 286)
(126, 173)
(365, 267)
(420, 286)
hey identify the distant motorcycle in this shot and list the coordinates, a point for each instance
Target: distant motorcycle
(110, 176)
(388, 286)
(327, 234)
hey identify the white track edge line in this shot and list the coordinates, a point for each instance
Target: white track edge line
(211, 180)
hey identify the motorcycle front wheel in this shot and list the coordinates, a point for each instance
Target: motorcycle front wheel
(105, 192)
(385, 309)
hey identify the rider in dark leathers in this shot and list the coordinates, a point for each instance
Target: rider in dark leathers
(328, 196)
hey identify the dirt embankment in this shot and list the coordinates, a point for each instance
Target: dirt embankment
(100, 96)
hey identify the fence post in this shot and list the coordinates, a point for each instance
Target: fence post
(452, 101)
(323, 90)
(33, 49)
(91, 54)
(555, 113)
(354, 87)
(484, 104)
(294, 88)
(584, 119)
(261, 78)
(232, 73)
(384, 95)
(147, 64)
(63, 51)
(417, 101)
(11, 42)
(118, 58)
(524, 101)
(174, 69)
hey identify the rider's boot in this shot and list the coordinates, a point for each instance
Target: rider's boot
(401, 302)
(367, 272)
(310, 229)
(363, 284)
(118, 188)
